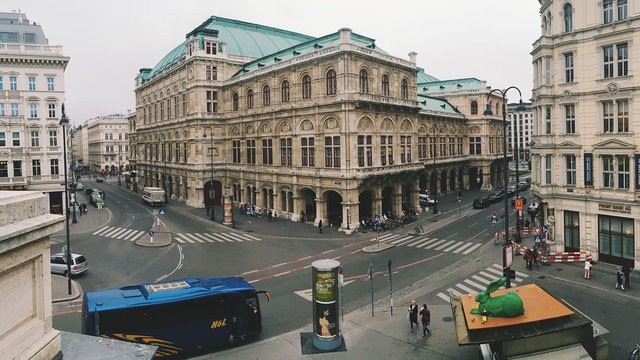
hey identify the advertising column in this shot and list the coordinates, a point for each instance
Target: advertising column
(228, 210)
(326, 329)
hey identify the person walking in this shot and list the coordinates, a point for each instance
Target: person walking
(619, 276)
(320, 226)
(425, 318)
(587, 268)
(413, 314)
(626, 270)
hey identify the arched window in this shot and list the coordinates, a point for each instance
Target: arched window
(404, 89)
(285, 91)
(544, 25)
(568, 17)
(306, 87)
(249, 99)
(331, 82)
(266, 95)
(235, 102)
(474, 108)
(364, 81)
(385, 85)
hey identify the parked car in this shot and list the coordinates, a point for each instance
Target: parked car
(99, 179)
(511, 190)
(426, 200)
(79, 186)
(496, 197)
(59, 264)
(482, 202)
(524, 186)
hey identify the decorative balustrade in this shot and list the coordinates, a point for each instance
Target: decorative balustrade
(31, 49)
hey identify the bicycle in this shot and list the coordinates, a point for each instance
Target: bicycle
(418, 229)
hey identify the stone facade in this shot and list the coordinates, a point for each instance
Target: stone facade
(585, 162)
(333, 129)
(106, 142)
(26, 330)
(31, 97)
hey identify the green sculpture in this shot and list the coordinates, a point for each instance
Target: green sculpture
(507, 305)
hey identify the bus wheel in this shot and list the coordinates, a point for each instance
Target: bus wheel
(231, 339)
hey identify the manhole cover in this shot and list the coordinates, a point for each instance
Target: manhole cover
(447, 319)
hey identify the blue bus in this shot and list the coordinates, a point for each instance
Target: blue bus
(182, 317)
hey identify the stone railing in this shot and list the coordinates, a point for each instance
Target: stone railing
(31, 49)
(384, 99)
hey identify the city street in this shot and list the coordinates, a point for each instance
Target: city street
(455, 254)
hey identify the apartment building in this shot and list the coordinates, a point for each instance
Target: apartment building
(586, 165)
(107, 144)
(31, 97)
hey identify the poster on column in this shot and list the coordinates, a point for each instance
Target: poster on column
(228, 210)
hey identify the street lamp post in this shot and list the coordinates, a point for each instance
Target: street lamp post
(212, 193)
(435, 177)
(516, 151)
(64, 121)
(72, 133)
(488, 112)
(348, 220)
(119, 156)
(166, 181)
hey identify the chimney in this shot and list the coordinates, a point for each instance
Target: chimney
(345, 35)
(412, 57)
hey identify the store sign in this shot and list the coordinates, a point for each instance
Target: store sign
(617, 207)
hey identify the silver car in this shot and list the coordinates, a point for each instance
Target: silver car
(59, 265)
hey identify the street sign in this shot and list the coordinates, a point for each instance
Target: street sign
(508, 254)
(545, 229)
(151, 233)
(370, 272)
(519, 204)
(537, 238)
(376, 218)
(162, 212)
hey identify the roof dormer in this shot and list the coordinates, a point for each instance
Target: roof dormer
(202, 42)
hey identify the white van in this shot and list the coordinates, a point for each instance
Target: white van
(153, 196)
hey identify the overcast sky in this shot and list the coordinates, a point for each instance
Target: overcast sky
(109, 41)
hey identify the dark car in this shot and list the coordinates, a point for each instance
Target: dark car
(482, 202)
(524, 186)
(99, 179)
(496, 197)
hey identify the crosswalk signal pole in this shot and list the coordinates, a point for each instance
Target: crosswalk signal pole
(371, 280)
(390, 286)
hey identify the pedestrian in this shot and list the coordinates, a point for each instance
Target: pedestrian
(412, 315)
(425, 318)
(587, 268)
(535, 257)
(269, 214)
(275, 216)
(320, 226)
(619, 276)
(208, 210)
(626, 270)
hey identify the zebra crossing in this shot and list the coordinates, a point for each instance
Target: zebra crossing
(119, 233)
(193, 238)
(478, 282)
(424, 242)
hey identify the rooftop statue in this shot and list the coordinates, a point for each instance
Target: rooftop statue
(507, 305)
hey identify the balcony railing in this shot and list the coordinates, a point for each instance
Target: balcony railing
(31, 49)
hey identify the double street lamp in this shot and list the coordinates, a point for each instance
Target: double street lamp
(212, 192)
(64, 121)
(488, 112)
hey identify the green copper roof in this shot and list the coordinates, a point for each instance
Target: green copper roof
(423, 77)
(310, 46)
(447, 86)
(241, 38)
(435, 104)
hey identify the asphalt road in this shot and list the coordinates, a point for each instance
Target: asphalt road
(448, 256)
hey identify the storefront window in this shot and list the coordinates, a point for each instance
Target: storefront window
(572, 230)
(616, 239)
